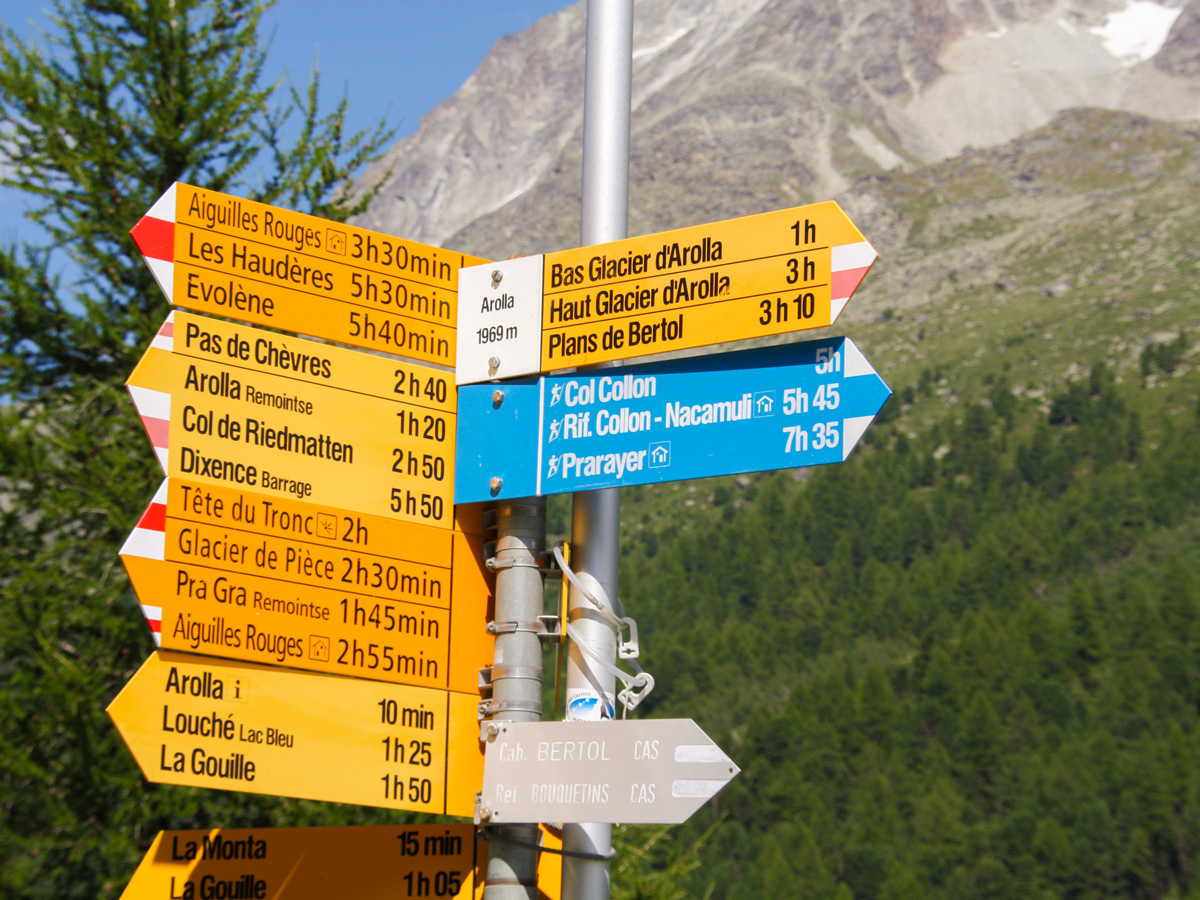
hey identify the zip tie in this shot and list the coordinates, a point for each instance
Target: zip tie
(605, 612)
(619, 621)
(630, 697)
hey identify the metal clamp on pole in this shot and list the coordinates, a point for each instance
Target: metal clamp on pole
(544, 562)
(489, 708)
(547, 628)
(488, 673)
(532, 673)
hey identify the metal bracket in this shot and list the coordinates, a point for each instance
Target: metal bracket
(488, 708)
(480, 809)
(544, 562)
(529, 673)
(488, 674)
(547, 628)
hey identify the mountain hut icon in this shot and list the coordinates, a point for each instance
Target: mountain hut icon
(660, 454)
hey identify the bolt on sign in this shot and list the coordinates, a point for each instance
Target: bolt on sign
(191, 720)
(228, 405)
(773, 273)
(246, 576)
(222, 255)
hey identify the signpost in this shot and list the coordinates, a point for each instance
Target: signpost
(191, 720)
(246, 576)
(307, 519)
(228, 405)
(769, 408)
(774, 273)
(223, 255)
(631, 770)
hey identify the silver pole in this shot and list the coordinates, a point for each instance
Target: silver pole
(595, 519)
(517, 679)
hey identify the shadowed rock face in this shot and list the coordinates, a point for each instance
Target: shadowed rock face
(746, 105)
(1180, 55)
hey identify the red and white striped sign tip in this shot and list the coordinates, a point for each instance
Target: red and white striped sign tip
(154, 235)
(149, 540)
(154, 407)
(849, 265)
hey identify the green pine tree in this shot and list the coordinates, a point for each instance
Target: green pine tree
(981, 749)
(126, 97)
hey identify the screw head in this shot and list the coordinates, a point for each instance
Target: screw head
(497, 397)
(494, 362)
(497, 276)
(496, 483)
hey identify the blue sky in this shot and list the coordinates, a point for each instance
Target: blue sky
(398, 58)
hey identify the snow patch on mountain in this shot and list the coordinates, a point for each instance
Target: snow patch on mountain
(1134, 34)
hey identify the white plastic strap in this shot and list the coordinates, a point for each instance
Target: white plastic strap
(631, 696)
(604, 609)
(643, 680)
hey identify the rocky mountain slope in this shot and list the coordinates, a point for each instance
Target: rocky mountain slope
(1071, 245)
(741, 106)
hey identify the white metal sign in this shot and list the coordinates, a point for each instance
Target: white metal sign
(499, 320)
(652, 770)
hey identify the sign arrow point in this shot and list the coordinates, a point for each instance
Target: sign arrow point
(154, 237)
(856, 363)
(853, 429)
(849, 264)
(154, 408)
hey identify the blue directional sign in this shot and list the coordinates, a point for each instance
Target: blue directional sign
(770, 408)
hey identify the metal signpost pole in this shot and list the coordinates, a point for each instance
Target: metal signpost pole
(516, 677)
(596, 514)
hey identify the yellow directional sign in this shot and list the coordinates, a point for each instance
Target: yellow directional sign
(224, 404)
(370, 862)
(219, 254)
(774, 273)
(202, 722)
(373, 862)
(246, 576)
